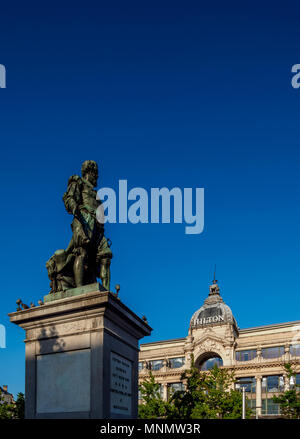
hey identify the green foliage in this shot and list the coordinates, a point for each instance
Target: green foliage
(13, 411)
(207, 395)
(6, 410)
(289, 400)
(20, 406)
(153, 406)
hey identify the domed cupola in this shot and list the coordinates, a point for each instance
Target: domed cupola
(214, 311)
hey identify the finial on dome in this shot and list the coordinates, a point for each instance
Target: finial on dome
(214, 288)
(215, 280)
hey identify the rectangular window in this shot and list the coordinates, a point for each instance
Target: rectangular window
(272, 384)
(249, 387)
(251, 403)
(295, 350)
(273, 352)
(161, 390)
(295, 381)
(174, 387)
(269, 407)
(174, 363)
(246, 355)
(156, 364)
(140, 365)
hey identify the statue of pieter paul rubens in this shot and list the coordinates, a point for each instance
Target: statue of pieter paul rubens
(88, 254)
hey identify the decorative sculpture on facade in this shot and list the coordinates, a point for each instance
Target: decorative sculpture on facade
(88, 254)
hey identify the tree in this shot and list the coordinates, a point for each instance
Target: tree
(20, 406)
(14, 410)
(153, 405)
(6, 410)
(289, 400)
(207, 395)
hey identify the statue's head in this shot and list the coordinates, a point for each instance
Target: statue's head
(89, 171)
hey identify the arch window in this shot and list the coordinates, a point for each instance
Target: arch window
(210, 362)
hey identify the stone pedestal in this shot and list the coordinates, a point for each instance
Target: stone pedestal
(81, 356)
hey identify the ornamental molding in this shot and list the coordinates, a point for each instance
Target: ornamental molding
(162, 375)
(212, 344)
(260, 366)
(209, 339)
(257, 370)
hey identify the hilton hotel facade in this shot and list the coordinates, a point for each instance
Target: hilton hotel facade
(254, 354)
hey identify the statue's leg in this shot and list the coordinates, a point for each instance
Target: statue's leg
(103, 259)
(79, 268)
(105, 273)
(52, 274)
(80, 253)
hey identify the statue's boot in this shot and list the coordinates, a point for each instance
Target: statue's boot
(79, 270)
(105, 273)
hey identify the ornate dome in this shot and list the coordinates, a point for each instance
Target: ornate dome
(213, 311)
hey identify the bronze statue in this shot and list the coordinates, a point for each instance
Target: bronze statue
(88, 254)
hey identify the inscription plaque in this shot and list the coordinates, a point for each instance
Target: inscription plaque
(120, 385)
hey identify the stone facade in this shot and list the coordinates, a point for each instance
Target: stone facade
(257, 353)
(81, 356)
(5, 396)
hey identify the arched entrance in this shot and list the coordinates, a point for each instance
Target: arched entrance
(208, 360)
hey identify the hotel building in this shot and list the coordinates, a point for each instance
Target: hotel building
(255, 354)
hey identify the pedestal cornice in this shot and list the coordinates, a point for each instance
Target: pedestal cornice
(94, 302)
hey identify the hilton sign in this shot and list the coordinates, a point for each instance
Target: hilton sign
(205, 320)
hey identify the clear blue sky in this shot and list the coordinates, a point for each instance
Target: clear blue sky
(188, 94)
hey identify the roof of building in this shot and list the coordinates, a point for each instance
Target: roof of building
(241, 331)
(271, 326)
(2, 390)
(6, 396)
(213, 310)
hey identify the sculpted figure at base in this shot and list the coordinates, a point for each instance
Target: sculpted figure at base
(88, 254)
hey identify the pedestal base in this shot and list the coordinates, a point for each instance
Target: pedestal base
(81, 356)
